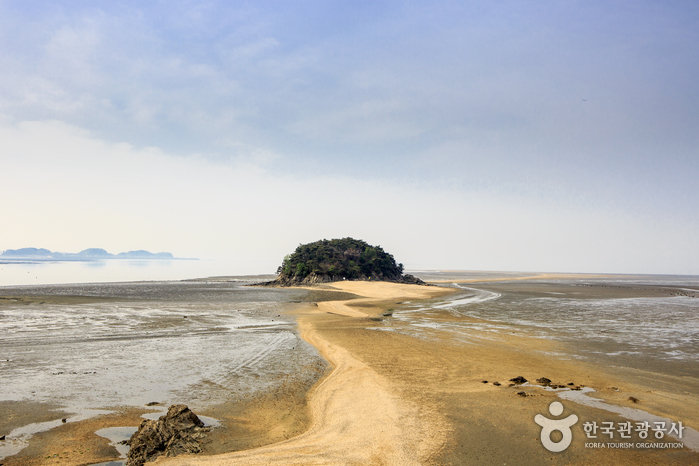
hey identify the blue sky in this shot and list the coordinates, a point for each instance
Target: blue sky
(547, 136)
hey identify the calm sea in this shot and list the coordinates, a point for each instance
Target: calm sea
(45, 272)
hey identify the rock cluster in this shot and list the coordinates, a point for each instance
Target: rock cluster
(179, 431)
(519, 380)
(315, 279)
(547, 383)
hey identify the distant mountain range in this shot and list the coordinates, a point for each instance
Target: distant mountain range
(38, 254)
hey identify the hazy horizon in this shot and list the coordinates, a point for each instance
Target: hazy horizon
(552, 137)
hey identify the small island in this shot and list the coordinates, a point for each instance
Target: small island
(340, 259)
(91, 254)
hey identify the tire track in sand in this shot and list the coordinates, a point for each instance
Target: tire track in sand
(254, 355)
(357, 420)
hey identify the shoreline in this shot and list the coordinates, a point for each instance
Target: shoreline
(407, 400)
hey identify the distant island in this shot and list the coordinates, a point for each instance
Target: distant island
(91, 254)
(340, 259)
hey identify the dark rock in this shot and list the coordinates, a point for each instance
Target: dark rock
(633, 400)
(522, 393)
(571, 383)
(2, 438)
(484, 381)
(64, 420)
(543, 381)
(179, 431)
(519, 380)
(315, 279)
(497, 384)
(411, 280)
(152, 403)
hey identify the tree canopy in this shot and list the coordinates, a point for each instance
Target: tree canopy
(339, 259)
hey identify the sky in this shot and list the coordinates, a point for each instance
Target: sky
(552, 136)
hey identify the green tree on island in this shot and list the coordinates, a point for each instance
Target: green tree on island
(340, 259)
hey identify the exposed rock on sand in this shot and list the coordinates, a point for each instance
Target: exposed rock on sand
(519, 380)
(315, 278)
(179, 431)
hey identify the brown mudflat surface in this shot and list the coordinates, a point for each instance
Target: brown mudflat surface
(392, 398)
(73, 443)
(395, 399)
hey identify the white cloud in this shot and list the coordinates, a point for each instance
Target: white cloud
(478, 108)
(66, 190)
(74, 47)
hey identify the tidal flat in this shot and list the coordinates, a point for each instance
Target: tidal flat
(97, 352)
(353, 372)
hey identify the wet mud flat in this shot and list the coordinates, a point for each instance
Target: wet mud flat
(638, 322)
(633, 324)
(442, 358)
(96, 355)
(456, 357)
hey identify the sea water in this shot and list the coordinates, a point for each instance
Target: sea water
(13, 273)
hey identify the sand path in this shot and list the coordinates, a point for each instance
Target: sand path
(357, 419)
(373, 292)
